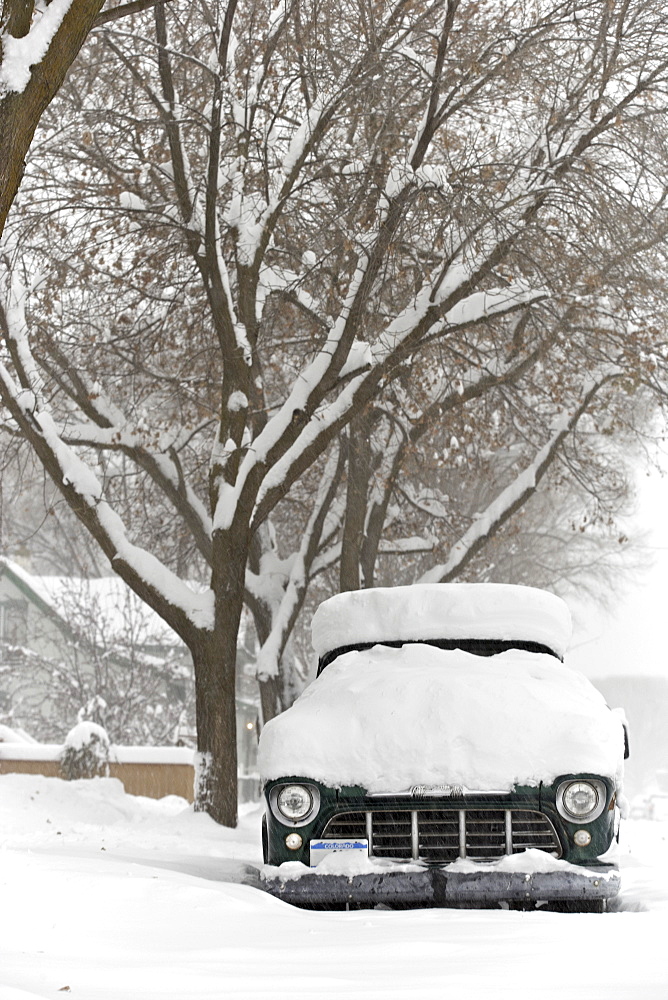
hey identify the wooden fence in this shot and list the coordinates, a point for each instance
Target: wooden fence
(151, 771)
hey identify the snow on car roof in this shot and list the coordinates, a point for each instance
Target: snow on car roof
(389, 718)
(442, 611)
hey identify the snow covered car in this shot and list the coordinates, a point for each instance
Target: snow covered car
(444, 755)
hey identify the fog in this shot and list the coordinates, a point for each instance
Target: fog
(623, 650)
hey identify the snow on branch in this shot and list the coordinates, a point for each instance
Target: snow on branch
(407, 546)
(493, 302)
(107, 428)
(255, 220)
(473, 308)
(278, 443)
(19, 55)
(13, 317)
(160, 587)
(285, 614)
(330, 416)
(327, 418)
(180, 606)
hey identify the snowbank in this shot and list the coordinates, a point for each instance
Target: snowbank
(156, 916)
(388, 719)
(442, 611)
(43, 813)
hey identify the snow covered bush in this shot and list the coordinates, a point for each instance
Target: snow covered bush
(86, 752)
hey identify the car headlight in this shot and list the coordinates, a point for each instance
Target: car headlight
(294, 804)
(294, 801)
(580, 798)
(581, 801)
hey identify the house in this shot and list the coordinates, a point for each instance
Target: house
(89, 648)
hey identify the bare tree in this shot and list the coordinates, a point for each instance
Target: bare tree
(321, 203)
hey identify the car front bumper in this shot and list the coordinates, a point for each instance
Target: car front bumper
(440, 887)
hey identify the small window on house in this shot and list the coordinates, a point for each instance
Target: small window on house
(14, 622)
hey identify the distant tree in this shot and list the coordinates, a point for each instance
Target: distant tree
(110, 665)
(35, 522)
(282, 221)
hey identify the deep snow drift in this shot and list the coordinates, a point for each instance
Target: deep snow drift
(104, 896)
(442, 611)
(387, 719)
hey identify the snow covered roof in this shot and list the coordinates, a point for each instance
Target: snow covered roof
(106, 606)
(442, 611)
(118, 611)
(118, 754)
(14, 735)
(389, 718)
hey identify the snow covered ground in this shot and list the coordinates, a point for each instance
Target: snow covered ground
(104, 896)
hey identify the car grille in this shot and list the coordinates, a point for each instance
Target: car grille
(443, 835)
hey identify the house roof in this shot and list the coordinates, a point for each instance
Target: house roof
(106, 601)
(105, 605)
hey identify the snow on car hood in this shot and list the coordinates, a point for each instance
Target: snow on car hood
(387, 719)
(442, 611)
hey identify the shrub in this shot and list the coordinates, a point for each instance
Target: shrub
(86, 752)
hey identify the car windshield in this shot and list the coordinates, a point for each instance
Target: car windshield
(479, 647)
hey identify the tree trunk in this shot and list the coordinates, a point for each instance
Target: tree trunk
(215, 685)
(271, 698)
(272, 701)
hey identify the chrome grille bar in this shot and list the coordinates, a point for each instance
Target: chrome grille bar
(440, 836)
(462, 833)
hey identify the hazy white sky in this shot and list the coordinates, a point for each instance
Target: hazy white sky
(633, 638)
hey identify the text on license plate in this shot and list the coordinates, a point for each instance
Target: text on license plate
(321, 848)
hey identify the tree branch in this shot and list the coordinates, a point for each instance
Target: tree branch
(124, 10)
(510, 500)
(20, 111)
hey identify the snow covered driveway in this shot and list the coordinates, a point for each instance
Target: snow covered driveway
(104, 896)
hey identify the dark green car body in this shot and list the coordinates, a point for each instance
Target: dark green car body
(430, 832)
(542, 800)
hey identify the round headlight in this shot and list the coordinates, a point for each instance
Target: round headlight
(580, 798)
(295, 802)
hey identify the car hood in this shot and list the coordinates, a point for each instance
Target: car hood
(387, 719)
